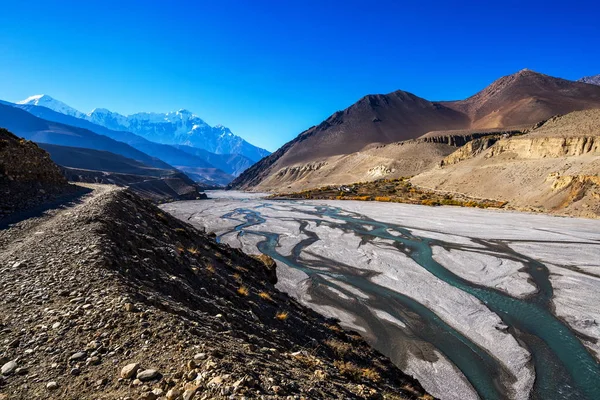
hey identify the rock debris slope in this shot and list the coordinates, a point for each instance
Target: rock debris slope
(111, 298)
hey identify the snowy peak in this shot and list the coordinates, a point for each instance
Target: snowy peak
(43, 100)
(180, 127)
(592, 80)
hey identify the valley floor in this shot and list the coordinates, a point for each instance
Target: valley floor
(473, 303)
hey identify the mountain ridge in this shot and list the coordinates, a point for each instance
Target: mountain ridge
(178, 127)
(514, 101)
(169, 154)
(592, 80)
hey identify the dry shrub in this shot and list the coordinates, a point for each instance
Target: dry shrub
(265, 296)
(340, 348)
(282, 315)
(371, 374)
(348, 369)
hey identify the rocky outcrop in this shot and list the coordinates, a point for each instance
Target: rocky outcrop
(542, 147)
(28, 176)
(124, 301)
(470, 149)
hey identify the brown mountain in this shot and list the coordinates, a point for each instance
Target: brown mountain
(525, 98)
(359, 143)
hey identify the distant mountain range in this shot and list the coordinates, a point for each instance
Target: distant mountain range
(180, 139)
(175, 128)
(400, 134)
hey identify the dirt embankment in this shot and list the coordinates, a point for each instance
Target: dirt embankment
(112, 298)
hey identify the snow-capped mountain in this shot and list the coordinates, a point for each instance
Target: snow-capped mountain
(176, 128)
(44, 100)
(593, 80)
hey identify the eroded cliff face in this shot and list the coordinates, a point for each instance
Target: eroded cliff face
(555, 167)
(542, 147)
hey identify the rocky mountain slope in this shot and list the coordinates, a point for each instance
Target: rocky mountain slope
(180, 127)
(124, 301)
(593, 80)
(552, 168)
(28, 177)
(350, 145)
(525, 98)
(205, 171)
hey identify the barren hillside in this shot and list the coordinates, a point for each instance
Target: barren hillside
(347, 147)
(553, 168)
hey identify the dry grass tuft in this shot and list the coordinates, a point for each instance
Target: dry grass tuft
(237, 277)
(282, 315)
(348, 369)
(265, 296)
(241, 269)
(210, 269)
(243, 291)
(193, 250)
(340, 348)
(334, 328)
(371, 375)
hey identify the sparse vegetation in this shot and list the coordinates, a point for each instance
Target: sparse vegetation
(334, 328)
(193, 250)
(265, 296)
(339, 347)
(243, 291)
(348, 369)
(281, 315)
(371, 374)
(398, 190)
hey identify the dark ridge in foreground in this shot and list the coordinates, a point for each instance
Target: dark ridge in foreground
(112, 298)
(28, 177)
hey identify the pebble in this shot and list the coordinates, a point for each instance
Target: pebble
(75, 371)
(80, 355)
(200, 356)
(189, 394)
(147, 375)
(9, 368)
(52, 386)
(148, 396)
(129, 370)
(174, 394)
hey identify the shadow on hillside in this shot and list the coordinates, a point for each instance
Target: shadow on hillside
(63, 201)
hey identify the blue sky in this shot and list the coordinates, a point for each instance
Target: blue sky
(270, 69)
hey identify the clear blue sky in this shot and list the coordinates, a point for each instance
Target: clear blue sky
(270, 69)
